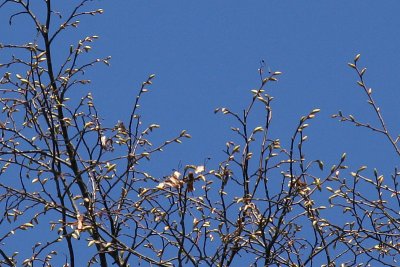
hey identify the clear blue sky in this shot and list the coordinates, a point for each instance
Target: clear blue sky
(206, 55)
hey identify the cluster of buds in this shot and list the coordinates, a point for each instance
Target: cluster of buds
(175, 181)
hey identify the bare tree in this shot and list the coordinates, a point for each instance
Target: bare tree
(75, 184)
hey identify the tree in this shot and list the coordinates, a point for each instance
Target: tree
(76, 183)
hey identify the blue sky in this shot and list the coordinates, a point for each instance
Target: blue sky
(205, 55)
